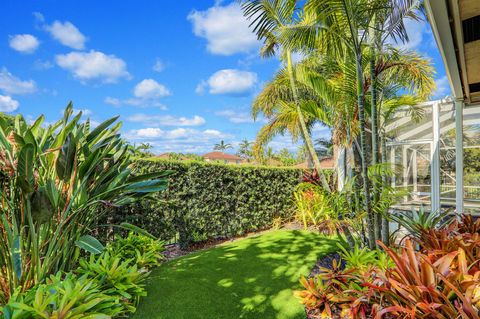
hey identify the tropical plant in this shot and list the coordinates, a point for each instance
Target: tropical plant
(440, 281)
(329, 212)
(362, 258)
(116, 277)
(245, 150)
(268, 18)
(55, 182)
(285, 157)
(141, 250)
(352, 34)
(222, 146)
(420, 220)
(66, 297)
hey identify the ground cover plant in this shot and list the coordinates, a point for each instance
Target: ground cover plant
(105, 285)
(247, 278)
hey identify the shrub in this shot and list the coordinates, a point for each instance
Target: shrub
(116, 277)
(67, 297)
(140, 250)
(208, 201)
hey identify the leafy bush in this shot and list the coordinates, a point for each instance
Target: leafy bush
(418, 221)
(442, 280)
(140, 250)
(116, 277)
(66, 297)
(55, 182)
(362, 258)
(106, 285)
(207, 201)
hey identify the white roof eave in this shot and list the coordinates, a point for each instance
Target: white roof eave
(437, 13)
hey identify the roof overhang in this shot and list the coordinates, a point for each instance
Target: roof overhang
(456, 27)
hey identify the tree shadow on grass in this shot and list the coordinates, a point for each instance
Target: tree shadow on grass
(248, 278)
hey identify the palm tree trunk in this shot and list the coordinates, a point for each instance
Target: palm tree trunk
(385, 220)
(363, 148)
(376, 188)
(303, 125)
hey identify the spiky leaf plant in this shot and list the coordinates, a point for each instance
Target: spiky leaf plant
(55, 181)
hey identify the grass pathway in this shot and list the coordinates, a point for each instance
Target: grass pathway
(248, 278)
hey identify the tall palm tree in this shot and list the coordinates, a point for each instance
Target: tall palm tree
(268, 17)
(350, 24)
(222, 146)
(245, 149)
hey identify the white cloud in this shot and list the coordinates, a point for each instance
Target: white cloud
(43, 65)
(144, 103)
(25, 43)
(93, 65)
(10, 84)
(67, 34)
(85, 112)
(146, 94)
(159, 66)
(166, 120)
(230, 82)
(7, 104)
(418, 33)
(150, 89)
(443, 87)
(178, 133)
(184, 140)
(38, 17)
(112, 101)
(149, 132)
(235, 116)
(225, 28)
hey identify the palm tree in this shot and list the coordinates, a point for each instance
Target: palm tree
(222, 146)
(268, 17)
(342, 28)
(245, 150)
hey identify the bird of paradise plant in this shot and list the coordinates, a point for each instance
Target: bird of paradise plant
(55, 181)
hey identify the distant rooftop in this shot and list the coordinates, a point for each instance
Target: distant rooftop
(221, 156)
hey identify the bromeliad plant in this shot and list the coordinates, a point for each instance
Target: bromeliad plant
(55, 181)
(440, 281)
(140, 249)
(66, 297)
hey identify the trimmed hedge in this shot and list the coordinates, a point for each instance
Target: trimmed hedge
(208, 201)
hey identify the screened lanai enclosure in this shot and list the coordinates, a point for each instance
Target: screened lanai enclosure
(434, 150)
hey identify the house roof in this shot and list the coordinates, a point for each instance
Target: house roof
(221, 156)
(326, 163)
(456, 25)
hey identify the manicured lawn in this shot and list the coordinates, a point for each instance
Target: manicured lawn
(248, 278)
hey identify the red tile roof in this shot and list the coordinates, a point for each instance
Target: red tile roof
(221, 156)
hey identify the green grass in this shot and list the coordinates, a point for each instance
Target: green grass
(249, 278)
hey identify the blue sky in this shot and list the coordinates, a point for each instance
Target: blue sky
(181, 74)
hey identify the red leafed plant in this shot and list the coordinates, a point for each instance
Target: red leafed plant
(439, 281)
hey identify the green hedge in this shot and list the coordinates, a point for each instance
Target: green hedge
(208, 201)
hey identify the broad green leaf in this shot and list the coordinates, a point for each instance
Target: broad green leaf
(66, 158)
(17, 256)
(100, 128)
(90, 244)
(25, 168)
(136, 229)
